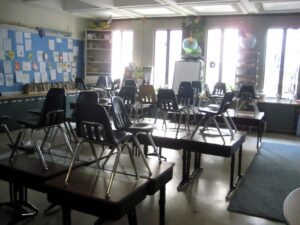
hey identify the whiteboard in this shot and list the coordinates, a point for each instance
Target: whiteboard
(186, 71)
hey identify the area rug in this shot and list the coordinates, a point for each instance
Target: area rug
(272, 175)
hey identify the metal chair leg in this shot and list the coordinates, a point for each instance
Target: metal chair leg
(154, 146)
(132, 159)
(219, 130)
(137, 143)
(95, 154)
(37, 147)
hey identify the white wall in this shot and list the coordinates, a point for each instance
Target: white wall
(28, 15)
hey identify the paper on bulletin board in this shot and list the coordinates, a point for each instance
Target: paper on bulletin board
(70, 43)
(1, 79)
(59, 68)
(71, 57)
(20, 50)
(42, 67)
(37, 77)
(7, 44)
(26, 66)
(53, 74)
(51, 44)
(9, 80)
(39, 56)
(44, 77)
(26, 78)
(3, 33)
(75, 51)
(2, 52)
(58, 40)
(19, 37)
(7, 67)
(28, 45)
(65, 57)
(19, 76)
(66, 76)
(55, 57)
(27, 35)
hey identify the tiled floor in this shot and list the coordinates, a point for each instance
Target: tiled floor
(202, 203)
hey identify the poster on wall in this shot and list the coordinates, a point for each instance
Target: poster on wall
(9, 80)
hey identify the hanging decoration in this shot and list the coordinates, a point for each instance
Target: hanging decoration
(100, 24)
(41, 32)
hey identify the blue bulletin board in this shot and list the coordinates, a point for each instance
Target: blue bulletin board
(25, 57)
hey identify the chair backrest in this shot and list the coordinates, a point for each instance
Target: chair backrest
(196, 85)
(247, 92)
(79, 83)
(185, 84)
(128, 94)
(120, 117)
(85, 97)
(226, 101)
(55, 100)
(185, 96)
(166, 100)
(130, 82)
(219, 89)
(147, 94)
(93, 124)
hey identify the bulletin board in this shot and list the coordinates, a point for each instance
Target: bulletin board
(26, 57)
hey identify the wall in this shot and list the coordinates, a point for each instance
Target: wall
(26, 14)
(257, 24)
(144, 29)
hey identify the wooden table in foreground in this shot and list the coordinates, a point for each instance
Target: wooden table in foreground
(87, 190)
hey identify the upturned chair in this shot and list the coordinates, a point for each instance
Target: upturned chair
(50, 117)
(95, 129)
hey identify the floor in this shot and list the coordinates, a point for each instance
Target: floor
(203, 202)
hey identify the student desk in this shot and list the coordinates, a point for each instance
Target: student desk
(87, 189)
(211, 144)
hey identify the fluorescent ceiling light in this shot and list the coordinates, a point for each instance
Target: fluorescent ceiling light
(279, 6)
(154, 11)
(215, 9)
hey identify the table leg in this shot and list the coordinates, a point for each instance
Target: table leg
(197, 165)
(231, 185)
(131, 215)
(240, 162)
(185, 170)
(162, 203)
(66, 213)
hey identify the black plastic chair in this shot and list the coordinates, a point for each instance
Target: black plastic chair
(212, 98)
(95, 128)
(129, 95)
(122, 122)
(185, 98)
(167, 103)
(52, 116)
(209, 115)
(80, 84)
(130, 83)
(83, 97)
(147, 98)
(3, 121)
(246, 98)
(219, 89)
(184, 84)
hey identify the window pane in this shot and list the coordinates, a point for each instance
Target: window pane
(122, 47)
(291, 63)
(160, 58)
(230, 57)
(213, 57)
(272, 61)
(175, 53)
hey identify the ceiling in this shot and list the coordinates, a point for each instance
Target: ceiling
(127, 9)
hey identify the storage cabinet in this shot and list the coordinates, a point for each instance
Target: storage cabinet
(98, 53)
(247, 68)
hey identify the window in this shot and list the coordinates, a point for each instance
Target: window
(282, 62)
(167, 52)
(122, 42)
(222, 55)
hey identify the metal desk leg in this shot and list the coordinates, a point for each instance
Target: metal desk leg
(66, 213)
(162, 203)
(240, 163)
(185, 170)
(197, 165)
(131, 216)
(231, 185)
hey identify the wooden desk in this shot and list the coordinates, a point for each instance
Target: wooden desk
(211, 144)
(291, 208)
(87, 190)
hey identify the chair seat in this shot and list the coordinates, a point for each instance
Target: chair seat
(29, 122)
(140, 127)
(121, 136)
(210, 110)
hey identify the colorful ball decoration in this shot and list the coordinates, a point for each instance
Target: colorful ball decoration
(190, 45)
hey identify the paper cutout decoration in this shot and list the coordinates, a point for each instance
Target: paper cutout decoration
(11, 55)
(9, 80)
(17, 65)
